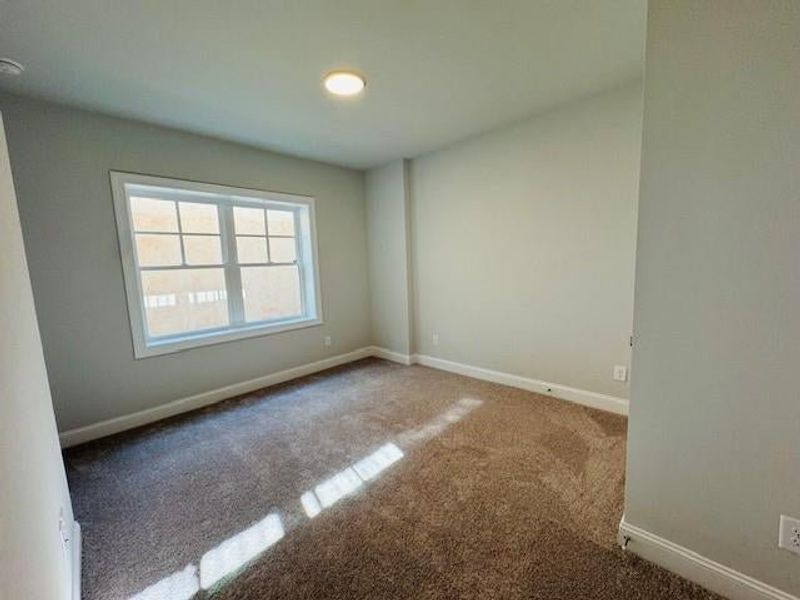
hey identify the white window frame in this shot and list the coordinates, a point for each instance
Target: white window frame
(224, 197)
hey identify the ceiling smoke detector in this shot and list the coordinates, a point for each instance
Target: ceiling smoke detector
(10, 68)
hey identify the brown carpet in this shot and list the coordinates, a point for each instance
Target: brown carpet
(420, 483)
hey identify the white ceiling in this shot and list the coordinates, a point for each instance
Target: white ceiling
(250, 70)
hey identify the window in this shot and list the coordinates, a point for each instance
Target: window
(206, 263)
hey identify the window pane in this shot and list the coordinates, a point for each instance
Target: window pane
(198, 218)
(249, 221)
(150, 214)
(281, 222)
(158, 250)
(270, 292)
(202, 250)
(282, 250)
(251, 249)
(184, 300)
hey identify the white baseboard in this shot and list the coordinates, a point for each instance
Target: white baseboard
(403, 359)
(87, 433)
(695, 567)
(584, 397)
(77, 553)
(80, 435)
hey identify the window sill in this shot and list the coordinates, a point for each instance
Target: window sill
(199, 340)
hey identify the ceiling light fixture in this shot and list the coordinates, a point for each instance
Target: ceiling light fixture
(344, 83)
(10, 67)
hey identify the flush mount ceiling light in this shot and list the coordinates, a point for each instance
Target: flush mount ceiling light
(10, 67)
(344, 83)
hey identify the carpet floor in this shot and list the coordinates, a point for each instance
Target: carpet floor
(368, 481)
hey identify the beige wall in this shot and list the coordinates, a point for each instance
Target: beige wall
(389, 276)
(524, 241)
(714, 452)
(61, 158)
(33, 487)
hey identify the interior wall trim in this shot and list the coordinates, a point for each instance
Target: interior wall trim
(695, 567)
(398, 357)
(94, 431)
(564, 392)
(73, 437)
(76, 558)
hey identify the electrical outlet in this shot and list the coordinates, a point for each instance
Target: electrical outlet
(435, 339)
(620, 373)
(789, 536)
(62, 530)
(327, 341)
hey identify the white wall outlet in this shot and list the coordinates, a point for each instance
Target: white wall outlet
(620, 373)
(327, 341)
(62, 530)
(435, 339)
(789, 535)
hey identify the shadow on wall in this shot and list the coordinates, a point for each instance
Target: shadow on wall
(222, 563)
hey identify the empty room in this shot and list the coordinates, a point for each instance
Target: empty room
(399, 299)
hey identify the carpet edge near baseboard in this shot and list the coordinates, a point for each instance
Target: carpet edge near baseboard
(87, 433)
(695, 567)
